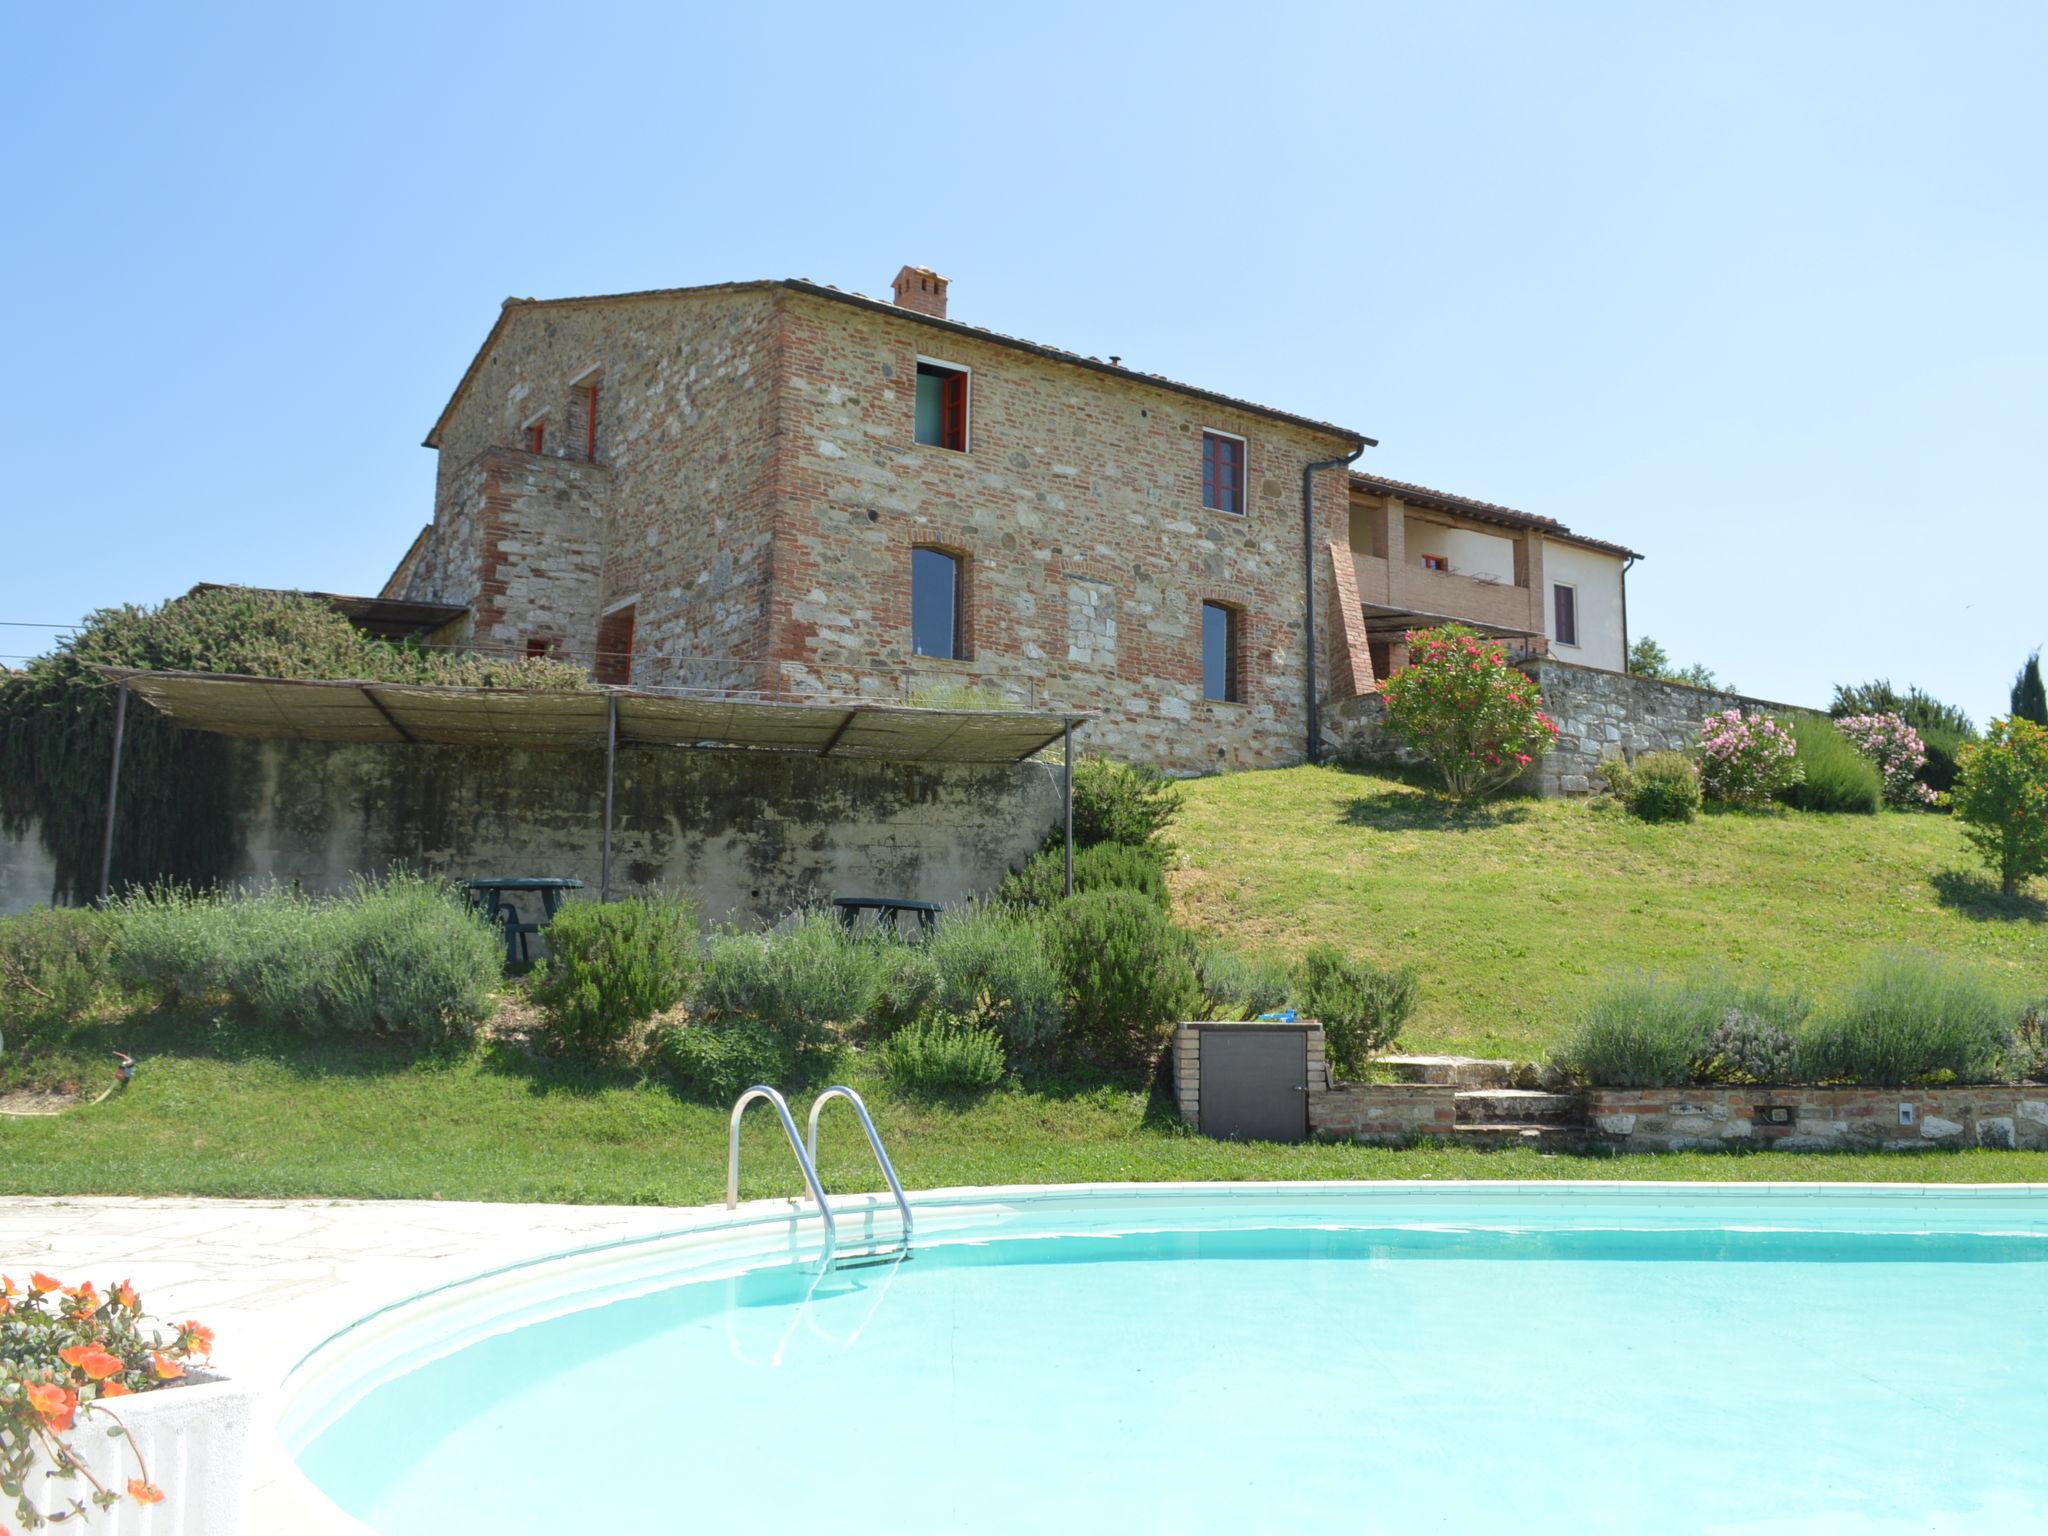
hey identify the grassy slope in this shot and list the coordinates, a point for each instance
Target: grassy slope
(345, 1124)
(1512, 914)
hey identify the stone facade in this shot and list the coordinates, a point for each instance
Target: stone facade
(756, 492)
(1820, 1119)
(1384, 1113)
(749, 835)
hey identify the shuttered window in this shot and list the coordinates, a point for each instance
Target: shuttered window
(942, 406)
(1222, 472)
(1566, 600)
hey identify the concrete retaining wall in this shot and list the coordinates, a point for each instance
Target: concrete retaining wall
(748, 834)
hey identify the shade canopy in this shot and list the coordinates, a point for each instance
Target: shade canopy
(1385, 623)
(291, 709)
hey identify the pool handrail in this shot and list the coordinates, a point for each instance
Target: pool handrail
(867, 1123)
(796, 1147)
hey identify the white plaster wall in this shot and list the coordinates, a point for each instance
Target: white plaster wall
(1598, 578)
(1482, 556)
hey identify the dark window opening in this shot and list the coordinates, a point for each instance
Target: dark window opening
(1567, 601)
(1222, 472)
(538, 648)
(536, 435)
(1219, 652)
(614, 660)
(942, 407)
(589, 402)
(935, 628)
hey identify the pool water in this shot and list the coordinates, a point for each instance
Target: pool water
(1245, 1365)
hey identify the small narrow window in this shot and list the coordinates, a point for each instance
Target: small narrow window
(942, 406)
(1219, 652)
(614, 660)
(1566, 600)
(935, 604)
(1222, 472)
(539, 648)
(1435, 563)
(589, 394)
(536, 435)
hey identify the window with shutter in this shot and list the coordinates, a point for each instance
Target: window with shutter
(1566, 599)
(942, 409)
(1223, 472)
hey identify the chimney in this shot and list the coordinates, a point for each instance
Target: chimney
(922, 289)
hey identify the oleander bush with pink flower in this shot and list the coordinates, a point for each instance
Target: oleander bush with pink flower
(1746, 759)
(1897, 750)
(1479, 721)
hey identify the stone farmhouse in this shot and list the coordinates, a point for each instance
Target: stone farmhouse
(779, 488)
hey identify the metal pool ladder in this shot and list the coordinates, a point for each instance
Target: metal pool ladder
(807, 1163)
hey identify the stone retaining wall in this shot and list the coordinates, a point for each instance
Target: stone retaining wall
(1387, 1113)
(1819, 1119)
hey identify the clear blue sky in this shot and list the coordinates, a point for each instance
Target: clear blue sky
(1758, 290)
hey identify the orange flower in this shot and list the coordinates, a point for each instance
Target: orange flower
(8, 1287)
(92, 1359)
(40, 1283)
(124, 1293)
(113, 1388)
(167, 1369)
(196, 1340)
(144, 1493)
(56, 1404)
(84, 1299)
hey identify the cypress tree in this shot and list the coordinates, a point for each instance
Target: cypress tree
(2029, 698)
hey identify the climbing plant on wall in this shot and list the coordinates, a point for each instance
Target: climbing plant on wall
(56, 725)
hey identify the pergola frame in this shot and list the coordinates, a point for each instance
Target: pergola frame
(406, 714)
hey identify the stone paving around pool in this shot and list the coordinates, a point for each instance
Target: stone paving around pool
(273, 1278)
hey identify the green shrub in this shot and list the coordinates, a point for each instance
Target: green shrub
(2026, 1053)
(1837, 777)
(396, 957)
(612, 966)
(804, 982)
(1124, 971)
(1661, 786)
(1121, 803)
(55, 966)
(1360, 1006)
(1909, 1018)
(1645, 1031)
(1754, 1040)
(993, 968)
(717, 1062)
(1042, 882)
(906, 986)
(1944, 752)
(939, 1054)
(2001, 795)
(1240, 986)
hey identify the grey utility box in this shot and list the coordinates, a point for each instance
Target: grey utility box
(1248, 1081)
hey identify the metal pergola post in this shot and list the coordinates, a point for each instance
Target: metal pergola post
(1067, 798)
(611, 761)
(113, 790)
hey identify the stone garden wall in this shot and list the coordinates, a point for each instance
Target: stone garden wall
(1388, 1113)
(1819, 1119)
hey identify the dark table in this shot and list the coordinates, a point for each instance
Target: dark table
(885, 909)
(490, 894)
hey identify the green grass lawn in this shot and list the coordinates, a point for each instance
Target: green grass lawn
(1513, 913)
(350, 1123)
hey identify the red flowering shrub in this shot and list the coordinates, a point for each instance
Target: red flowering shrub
(65, 1351)
(1458, 702)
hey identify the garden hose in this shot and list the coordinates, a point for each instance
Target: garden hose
(124, 1074)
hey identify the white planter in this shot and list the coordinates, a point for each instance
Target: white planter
(195, 1441)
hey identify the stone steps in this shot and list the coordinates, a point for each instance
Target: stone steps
(1551, 1137)
(1518, 1106)
(1451, 1071)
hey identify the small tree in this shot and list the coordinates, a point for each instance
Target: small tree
(2029, 696)
(2001, 794)
(1478, 720)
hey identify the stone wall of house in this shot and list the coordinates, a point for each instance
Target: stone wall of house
(749, 835)
(1078, 511)
(1819, 1119)
(1599, 714)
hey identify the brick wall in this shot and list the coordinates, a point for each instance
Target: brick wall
(1819, 1119)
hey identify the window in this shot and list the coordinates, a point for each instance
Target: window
(539, 648)
(536, 434)
(941, 406)
(614, 659)
(935, 628)
(1566, 602)
(1223, 472)
(1219, 652)
(1435, 563)
(588, 400)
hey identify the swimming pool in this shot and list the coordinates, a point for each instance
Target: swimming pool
(1535, 1358)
